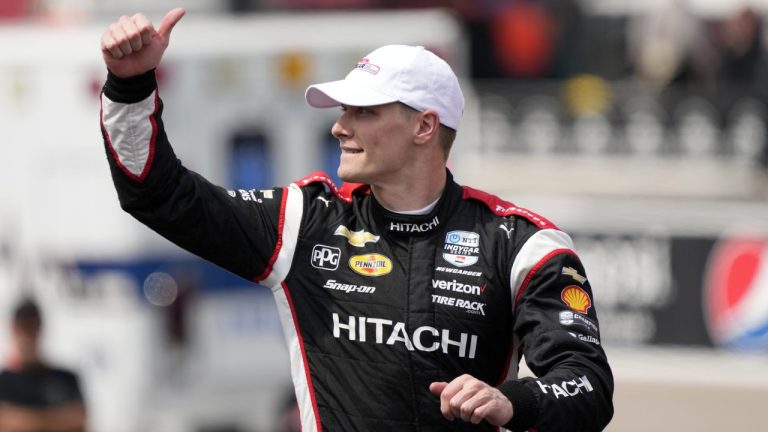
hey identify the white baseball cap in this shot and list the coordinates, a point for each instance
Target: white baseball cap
(396, 73)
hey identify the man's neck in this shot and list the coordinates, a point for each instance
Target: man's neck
(410, 194)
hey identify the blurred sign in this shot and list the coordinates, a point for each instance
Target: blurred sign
(736, 296)
(675, 290)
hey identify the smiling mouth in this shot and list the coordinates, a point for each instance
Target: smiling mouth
(351, 150)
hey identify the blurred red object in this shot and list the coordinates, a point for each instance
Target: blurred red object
(12, 9)
(523, 39)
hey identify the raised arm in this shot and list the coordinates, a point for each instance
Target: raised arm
(238, 230)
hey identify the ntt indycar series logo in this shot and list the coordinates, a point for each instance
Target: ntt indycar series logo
(461, 248)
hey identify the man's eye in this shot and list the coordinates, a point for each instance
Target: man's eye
(364, 110)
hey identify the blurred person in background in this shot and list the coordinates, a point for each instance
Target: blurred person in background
(668, 46)
(743, 62)
(35, 396)
(406, 299)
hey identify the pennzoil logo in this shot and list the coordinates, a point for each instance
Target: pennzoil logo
(576, 298)
(356, 238)
(371, 264)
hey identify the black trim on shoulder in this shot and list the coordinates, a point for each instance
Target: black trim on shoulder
(130, 90)
(524, 403)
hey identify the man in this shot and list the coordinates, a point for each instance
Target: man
(35, 397)
(405, 298)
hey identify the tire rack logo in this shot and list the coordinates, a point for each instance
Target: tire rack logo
(371, 264)
(326, 257)
(461, 248)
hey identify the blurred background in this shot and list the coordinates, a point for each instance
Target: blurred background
(639, 127)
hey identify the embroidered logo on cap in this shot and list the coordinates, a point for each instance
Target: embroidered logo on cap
(364, 65)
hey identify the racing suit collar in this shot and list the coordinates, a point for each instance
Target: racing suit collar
(410, 225)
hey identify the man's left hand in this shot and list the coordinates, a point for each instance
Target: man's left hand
(472, 400)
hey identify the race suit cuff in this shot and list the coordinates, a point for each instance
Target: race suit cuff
(130, 90)
(525, 405)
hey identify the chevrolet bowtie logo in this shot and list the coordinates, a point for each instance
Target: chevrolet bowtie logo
(572, 272)
(356, 238)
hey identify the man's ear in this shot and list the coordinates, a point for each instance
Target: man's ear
(427, 126)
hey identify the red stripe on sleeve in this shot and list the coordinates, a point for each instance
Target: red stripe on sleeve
(536, 268)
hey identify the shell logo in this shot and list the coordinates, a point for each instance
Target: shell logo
(371, 264)
(576, 298)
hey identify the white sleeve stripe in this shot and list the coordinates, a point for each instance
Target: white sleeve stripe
(131, 131)
(294, 209)
(302, 383)
(539, 246)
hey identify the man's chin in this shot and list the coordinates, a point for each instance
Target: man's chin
(350, 177)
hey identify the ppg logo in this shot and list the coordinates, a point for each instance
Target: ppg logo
(325, 257)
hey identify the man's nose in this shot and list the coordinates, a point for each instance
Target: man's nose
(339, 131)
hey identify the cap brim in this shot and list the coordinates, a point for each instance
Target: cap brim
(344, 92)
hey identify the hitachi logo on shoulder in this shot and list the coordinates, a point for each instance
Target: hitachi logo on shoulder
(413, 227)
(388, 332)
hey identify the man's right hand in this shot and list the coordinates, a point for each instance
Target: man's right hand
(131, 46)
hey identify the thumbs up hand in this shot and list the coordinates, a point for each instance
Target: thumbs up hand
(131, 46)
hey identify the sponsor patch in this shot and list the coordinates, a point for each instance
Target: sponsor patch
(365, 65)
(458, 287)
(471, 307)
(382, 331)
(253, 194)
(507, 229)
(331, 284)
(408, 227)
(326, 257)
(576, 298)
(585, 338)
(356, 238)
(572, 272)
(461, 248)
(567, 388)
(459, 271)
(569, 318)
(371, 264)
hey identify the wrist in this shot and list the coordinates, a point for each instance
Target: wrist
(130, 90)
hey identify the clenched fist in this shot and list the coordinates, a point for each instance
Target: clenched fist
(131, 46)
(472, 400)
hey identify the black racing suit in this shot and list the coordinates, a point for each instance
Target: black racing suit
(376, 305)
